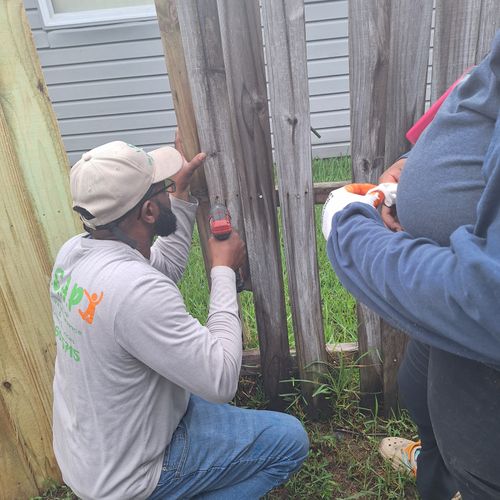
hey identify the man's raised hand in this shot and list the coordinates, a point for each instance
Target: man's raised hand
(183, 177)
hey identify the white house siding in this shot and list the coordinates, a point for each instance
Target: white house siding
(109, 82)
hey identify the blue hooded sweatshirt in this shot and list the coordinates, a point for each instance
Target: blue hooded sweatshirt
(439, 280)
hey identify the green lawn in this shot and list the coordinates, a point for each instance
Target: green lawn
(337, 304)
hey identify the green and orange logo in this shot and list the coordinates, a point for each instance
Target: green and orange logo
(61, 285)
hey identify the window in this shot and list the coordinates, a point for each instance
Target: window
(68, 13)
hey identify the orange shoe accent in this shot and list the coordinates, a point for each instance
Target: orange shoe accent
(410, 452)
(400, 452)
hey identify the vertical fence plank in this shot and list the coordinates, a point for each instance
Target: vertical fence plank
(410, 27)
(16, 479)
(488, 25)
(36, 219)
(369, 40)
(284, 26)
(388, 48)
(179, 83)
(245, 75)
(199, 22)
(462, 37)
(368, 69)
(407, 72)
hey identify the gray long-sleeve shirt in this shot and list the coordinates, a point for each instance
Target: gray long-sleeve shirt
(129, 355)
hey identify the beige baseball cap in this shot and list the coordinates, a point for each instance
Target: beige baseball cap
(111, 179)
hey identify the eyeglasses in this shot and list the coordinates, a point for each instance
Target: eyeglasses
(168, 187)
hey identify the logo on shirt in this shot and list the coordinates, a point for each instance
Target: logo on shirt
(62, 284)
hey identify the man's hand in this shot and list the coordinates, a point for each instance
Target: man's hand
(389, 214)
(230, 252)
(183, 177)
(340, 198)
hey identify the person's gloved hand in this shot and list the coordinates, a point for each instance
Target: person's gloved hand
(340, 198)
(389, 190)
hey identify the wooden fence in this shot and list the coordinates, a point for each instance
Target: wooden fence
(36, 220)
(222, 46)
(217, 74)
(223, 71)
(389, 50)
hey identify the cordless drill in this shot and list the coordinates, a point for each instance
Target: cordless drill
(221, 228)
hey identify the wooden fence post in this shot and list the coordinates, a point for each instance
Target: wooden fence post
(388, 49)
(199, 23)
(241, 37)
(186, 121)
(36, 219)
(462, 37)
(284, 27)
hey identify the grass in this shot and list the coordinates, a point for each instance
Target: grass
(338, 306)
(343, 462)
(54, 491)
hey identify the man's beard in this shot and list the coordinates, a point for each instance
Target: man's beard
(166, 223)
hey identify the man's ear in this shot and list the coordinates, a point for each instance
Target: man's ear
(149, 212)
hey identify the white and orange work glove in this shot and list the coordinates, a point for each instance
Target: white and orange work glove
(370, 194)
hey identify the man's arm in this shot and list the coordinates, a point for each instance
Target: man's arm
(170, 255)
(154, 326)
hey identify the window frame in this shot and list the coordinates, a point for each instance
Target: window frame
(51, 20)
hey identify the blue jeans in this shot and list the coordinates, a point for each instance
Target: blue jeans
(219, 451)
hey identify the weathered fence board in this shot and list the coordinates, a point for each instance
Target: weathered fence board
(410, 28)
(179, 82)
(199, 22)
(345, 354)
(284, 28)
(463, 34)
(244, 65)
(387, 96)
(36, 219)
(16, 479)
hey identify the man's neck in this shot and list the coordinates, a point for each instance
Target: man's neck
(141, 243)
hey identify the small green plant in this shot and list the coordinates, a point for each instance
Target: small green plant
(55, 491)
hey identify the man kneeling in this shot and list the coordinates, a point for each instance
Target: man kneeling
(140, 385)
